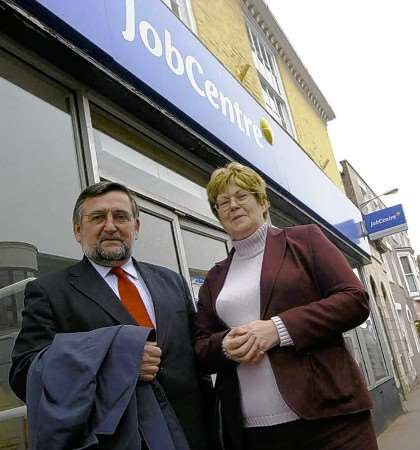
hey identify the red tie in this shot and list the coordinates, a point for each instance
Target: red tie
(131, 298)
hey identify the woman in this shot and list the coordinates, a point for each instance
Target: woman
(270, 322)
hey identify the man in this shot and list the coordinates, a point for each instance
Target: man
(108, 288)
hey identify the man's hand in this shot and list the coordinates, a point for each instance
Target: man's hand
(151, 360)
(242, 346)
(265, 333)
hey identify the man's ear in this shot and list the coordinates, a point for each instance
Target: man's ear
(76, 231)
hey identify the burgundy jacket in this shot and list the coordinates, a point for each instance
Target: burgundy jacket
(306, 281)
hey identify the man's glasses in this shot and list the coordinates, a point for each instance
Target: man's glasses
(100, 217)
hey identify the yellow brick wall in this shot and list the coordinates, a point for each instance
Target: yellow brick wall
(311, 130)
(221, 28)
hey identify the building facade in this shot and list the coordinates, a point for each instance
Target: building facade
(393, 283)
(156, 95)
(247, 40)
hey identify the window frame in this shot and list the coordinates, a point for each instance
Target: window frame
(185, 12)
(279, 111)
(203, 230)
(165, 214)
(413, 273)
(269, 73)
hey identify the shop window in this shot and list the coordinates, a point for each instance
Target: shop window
(126, 155)
(202, 252)
(182, 9)
(409, 275)
(353, 346)
(39, 167)
(371, 344)
(39, 179)
(266, 64)
(156, 243)
(373, 350)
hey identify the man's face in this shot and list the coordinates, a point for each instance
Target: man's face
(107, 229)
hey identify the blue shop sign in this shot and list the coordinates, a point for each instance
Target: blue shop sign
(148, 40)
(385, 222)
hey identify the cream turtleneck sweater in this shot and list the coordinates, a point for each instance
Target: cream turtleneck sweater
(237, 304)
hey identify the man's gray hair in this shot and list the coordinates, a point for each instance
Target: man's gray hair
(101, 188)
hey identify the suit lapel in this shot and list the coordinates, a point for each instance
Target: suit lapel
(163, 313)
(275, 250)
(85, 279)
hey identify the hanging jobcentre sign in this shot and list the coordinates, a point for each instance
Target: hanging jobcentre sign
(385, 222)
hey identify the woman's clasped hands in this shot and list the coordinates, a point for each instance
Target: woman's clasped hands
(248, 343)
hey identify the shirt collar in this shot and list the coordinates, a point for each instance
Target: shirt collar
(128, 268)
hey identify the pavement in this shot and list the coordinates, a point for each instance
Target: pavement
(404, 432)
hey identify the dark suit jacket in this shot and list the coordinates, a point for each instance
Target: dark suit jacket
(309, 284)
(78, 299)
(78, 396)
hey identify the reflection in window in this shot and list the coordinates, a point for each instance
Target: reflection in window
(12, 412)
(39, 163)
(156, 242)
(202, 253)
(11, 301)
(39, 173)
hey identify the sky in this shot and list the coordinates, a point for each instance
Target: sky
(364, 55)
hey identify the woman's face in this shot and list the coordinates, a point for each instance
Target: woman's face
(239, 212)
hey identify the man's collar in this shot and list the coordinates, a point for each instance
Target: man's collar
(128, 267)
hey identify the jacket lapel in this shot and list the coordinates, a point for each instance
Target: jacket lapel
(275, 250)
(87, 281)
(163, 312)
(218, 278)
(274, 253)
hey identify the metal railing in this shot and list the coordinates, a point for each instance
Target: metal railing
(7, 291)
(15, 288)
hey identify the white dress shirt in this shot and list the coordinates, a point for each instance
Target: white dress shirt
(134, 277)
